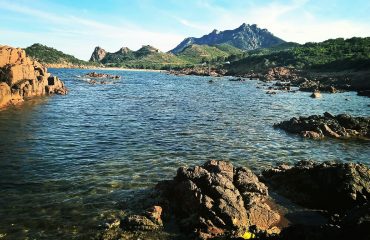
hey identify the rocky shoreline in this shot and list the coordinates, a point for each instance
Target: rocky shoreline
(220, 201)
(307, 81)
(22, 78)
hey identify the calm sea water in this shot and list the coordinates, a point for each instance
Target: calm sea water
(64, 160)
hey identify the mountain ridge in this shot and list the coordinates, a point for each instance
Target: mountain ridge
(245, 37)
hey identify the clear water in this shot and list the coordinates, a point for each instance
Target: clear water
(64, 160)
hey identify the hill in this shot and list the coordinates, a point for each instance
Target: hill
(52, 57)
(146, 57)
(331, 55)
(196, 54)
(245, 37)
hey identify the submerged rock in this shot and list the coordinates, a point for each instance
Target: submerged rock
(22, 78)
(342, 126)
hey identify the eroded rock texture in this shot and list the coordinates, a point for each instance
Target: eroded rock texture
(216, 199)
(22, 78)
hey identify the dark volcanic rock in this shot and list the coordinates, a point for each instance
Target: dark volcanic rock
(329, 186)
(342, 126)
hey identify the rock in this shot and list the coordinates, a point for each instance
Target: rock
(328, 186)
(364, 93)
(279, 73)
(154, 213)
(216, 199)
(138, 222)
(199, 71)
(312, 135)
(98, 54)
(342, 126)
(21, 78)
(357, 221)
(102, 75)
(316, 94)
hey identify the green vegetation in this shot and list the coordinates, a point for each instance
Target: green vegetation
(195, 54)
(149, 57)
(331, 55)
(48, 55)
(146, 57)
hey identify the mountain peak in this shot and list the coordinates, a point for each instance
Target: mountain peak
(98, 54)
(245, 37)
(124, 50)
(148, 49)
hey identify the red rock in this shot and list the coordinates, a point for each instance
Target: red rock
(21, 77)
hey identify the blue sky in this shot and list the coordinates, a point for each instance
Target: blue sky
(76, 27)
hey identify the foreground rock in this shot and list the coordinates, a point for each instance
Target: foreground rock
(102, 75)
(331, 186)
(342, 126)
(219, 201)
(209, 201)
(340, 189)
(216, 199)
(22, 78)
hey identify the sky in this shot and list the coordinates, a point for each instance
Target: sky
(77, 26)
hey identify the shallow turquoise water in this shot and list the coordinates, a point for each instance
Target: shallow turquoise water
(66, 159)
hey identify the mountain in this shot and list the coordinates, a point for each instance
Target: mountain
(203, 53)
(146, 57)
(98, 54)
(331, 55)
(245, 37)
(53, 58)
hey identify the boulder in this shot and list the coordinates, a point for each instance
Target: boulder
(22, 78)
(216, 199)
(316, 94)
(330, 186)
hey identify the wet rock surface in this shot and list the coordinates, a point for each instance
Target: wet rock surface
(342, 126)
(22, 78)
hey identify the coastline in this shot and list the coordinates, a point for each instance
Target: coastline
(105, 68)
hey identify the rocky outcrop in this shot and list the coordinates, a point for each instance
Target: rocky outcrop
(337, 187)
(102, 75)
(98, 54)
(212, 200)
(340, 190)
(342, 126)
(199, 71)
(22, 78)
(219, 201)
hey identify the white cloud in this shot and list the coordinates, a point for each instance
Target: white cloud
(290, 21)
(79, 36)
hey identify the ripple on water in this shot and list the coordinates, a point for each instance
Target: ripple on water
(65, 160)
